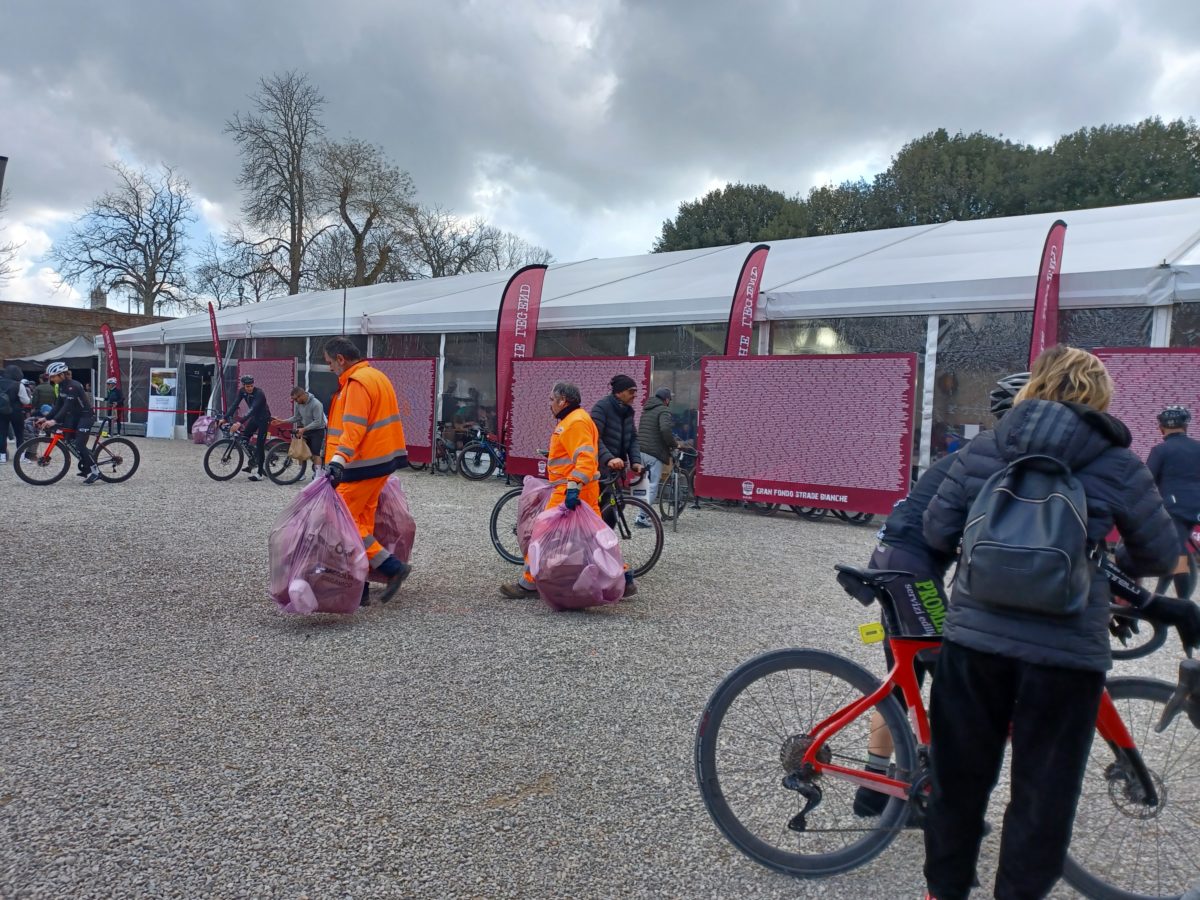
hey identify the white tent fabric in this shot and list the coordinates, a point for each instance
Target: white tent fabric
(1139, 255)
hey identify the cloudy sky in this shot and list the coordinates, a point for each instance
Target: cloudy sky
(579, 125)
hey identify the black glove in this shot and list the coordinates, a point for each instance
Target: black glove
(1122, 628)
(572, 500)
(335, 471)
(1183, 614)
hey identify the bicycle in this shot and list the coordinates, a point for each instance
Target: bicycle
(779, 780)
(639, 553)
(676, 491)
(280, 467)
(43, 460)
(224, 457)
(482, 455)
(1191, 547)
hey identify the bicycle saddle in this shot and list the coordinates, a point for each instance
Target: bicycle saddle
(867, 585)
(873, 577)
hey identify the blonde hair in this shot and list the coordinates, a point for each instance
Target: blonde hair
(1071, 374)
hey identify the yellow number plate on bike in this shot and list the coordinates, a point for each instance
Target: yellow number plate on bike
(871, 633)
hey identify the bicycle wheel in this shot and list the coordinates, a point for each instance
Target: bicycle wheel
(860, 518)
(1122, 848)
(765, 509)
(671, 498)
(503, 526)
(35, 462)
(223, 459)
(418, 467)
(1149, 637)
(476, 461)
(117, 459)
(751, 737)
(281, 468)
(809, 512)
(641, 546)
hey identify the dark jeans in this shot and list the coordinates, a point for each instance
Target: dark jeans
(1053, 716)
(15, 421)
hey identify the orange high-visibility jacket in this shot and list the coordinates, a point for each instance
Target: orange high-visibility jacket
(573, 455)
(364, 425)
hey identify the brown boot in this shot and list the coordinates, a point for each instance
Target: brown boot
(517, 590)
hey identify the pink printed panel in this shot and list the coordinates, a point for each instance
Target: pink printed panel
(275, 378)
(415, 382)
(532, 422)
(1147, 379)
(827, 431)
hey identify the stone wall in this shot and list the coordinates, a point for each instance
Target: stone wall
(27, 328)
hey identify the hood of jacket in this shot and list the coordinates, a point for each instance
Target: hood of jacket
(12, 372)
(1072, 432)
(652, 405)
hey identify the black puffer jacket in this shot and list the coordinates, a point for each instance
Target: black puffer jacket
(1175, 465)
(1119, 492)
(618, 434)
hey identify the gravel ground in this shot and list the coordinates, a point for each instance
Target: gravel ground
(167, 733)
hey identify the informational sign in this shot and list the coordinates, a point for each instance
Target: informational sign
(533, 379)
(275, 378)
(1146, 380)
(163, 402)
(826, 431)
(415, 383)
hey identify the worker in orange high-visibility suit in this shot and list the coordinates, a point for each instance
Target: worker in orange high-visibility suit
(573, 467)
(363, 446)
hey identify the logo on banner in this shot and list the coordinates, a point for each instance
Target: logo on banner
(747, 488)
(541, 467)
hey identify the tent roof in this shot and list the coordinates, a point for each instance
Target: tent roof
(77, 348)
(1137, 255)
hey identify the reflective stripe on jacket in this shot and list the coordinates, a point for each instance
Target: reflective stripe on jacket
(573, 454)
(364, 425)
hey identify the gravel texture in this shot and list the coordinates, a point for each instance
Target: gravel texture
(165, 732)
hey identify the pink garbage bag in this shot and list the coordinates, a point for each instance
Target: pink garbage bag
(204, 430)
(395, 527)
(535, 494)
(317, 559)
(575, 559)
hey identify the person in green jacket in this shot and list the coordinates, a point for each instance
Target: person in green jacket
(656, 440)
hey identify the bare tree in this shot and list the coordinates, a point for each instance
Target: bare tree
(370, 197)
(511, 251)
(439, 244)
(214, 277)
(277, 142)
(133, 239)
(8, 250)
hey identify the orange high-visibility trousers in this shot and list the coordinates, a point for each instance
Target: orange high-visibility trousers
(362, 499)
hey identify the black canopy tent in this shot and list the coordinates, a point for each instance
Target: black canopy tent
(79, 353)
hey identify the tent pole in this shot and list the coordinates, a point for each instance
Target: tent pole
(927, 391)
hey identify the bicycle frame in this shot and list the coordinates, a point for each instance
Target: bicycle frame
(60, 435)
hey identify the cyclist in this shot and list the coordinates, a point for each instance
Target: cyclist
(1036, 677)
(366, 445)
(1175, 465)
(902, 547)
(656, 440)
(572, 467)
(115, 400)
(256, 423)
(72, 411)
(309, 421)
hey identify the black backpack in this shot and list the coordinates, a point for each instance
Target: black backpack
(1025, 545)
(6, 406)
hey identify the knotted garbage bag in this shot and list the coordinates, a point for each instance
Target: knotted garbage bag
(535, 493)
(575, 559)
(317, 559)
(395, 527)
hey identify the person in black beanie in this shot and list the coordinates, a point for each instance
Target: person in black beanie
(618, 448)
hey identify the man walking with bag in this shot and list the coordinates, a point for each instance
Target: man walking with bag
(309, 422)
(365, 445)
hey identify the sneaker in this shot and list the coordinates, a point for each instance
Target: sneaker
(394, 582)
(256, 477)
(642, 523)
(93, 477)
(630, 589)
(3, 457)
(517, 590)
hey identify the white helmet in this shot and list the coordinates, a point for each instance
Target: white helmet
(111, 381)
(56, 368)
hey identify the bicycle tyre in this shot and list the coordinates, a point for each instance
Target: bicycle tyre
(476, 462)
(670, 501)
(771, 743)
(281, 468)
(506, 544)
(44, 468)
(108, 455)
(626, 521)
(218, 456)
(1155, 636)
(418, 467)
(765, 509)
(810, 512)
(860, 518)
(1106, 833)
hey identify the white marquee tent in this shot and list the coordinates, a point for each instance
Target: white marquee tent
(1139, 255)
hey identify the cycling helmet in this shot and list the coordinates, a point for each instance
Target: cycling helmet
(111, 381)
(247, 379)
(1174, 417)
(1001, 398)
(56, 368)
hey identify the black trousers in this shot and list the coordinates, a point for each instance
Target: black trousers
(15, 421)
(1053, 715)
(83, 434)
(259, 433)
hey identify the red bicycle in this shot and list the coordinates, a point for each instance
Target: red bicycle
(44, 460)
(782, 747)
